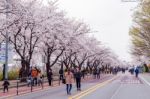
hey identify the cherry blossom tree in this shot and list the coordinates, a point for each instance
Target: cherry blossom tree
(23, 24)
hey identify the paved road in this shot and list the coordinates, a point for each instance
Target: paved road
(124, 87)
(112, 87)
(60, 92)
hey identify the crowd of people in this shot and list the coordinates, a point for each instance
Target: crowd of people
(76, 74)
(69, 76)
(35, 77)
(134, 70)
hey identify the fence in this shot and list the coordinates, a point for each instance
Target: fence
(20, 86)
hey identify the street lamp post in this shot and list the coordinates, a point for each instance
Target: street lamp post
(7, 40)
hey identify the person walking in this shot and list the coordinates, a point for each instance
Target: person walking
(29, 80)
(34, 74)
(78, 76)
(68, 78)
(98, 73)
(136, 72)
(61, 74)
(50, 74)
(40, 78)
(83, 73)
(5, 85)
(94, 72)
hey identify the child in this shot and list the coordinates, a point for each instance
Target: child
(5, 84)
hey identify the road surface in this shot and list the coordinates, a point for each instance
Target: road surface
(121, 86)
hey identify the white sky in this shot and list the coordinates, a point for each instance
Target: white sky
(112, 18)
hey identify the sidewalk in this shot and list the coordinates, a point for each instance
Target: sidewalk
(145, 77)
(13, 83)
(25, 89)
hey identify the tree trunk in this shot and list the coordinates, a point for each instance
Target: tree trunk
(24, 71)
(47, 68)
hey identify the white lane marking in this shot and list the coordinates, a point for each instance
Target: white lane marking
(145, 80)
(116, 92)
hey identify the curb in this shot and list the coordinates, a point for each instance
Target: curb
(144, 80)
(28, 92)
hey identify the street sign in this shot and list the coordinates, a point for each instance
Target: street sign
(2, 53)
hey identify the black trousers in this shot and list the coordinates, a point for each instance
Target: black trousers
(78, 83)
(98, 75)
(61, 77)
(5, 88)
(34, 81)
(50, 81)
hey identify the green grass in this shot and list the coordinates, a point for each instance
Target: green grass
(12, 75)
(1, 76)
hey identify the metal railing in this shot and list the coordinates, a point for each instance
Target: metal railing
(32, 83)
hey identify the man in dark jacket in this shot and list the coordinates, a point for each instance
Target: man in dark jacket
(50, 74)
(136, 72)
(61, 73)
(98, 73)
(5, 84)
(78, 76)
(83, 73)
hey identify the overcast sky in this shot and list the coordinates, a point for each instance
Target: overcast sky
(111, 18)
